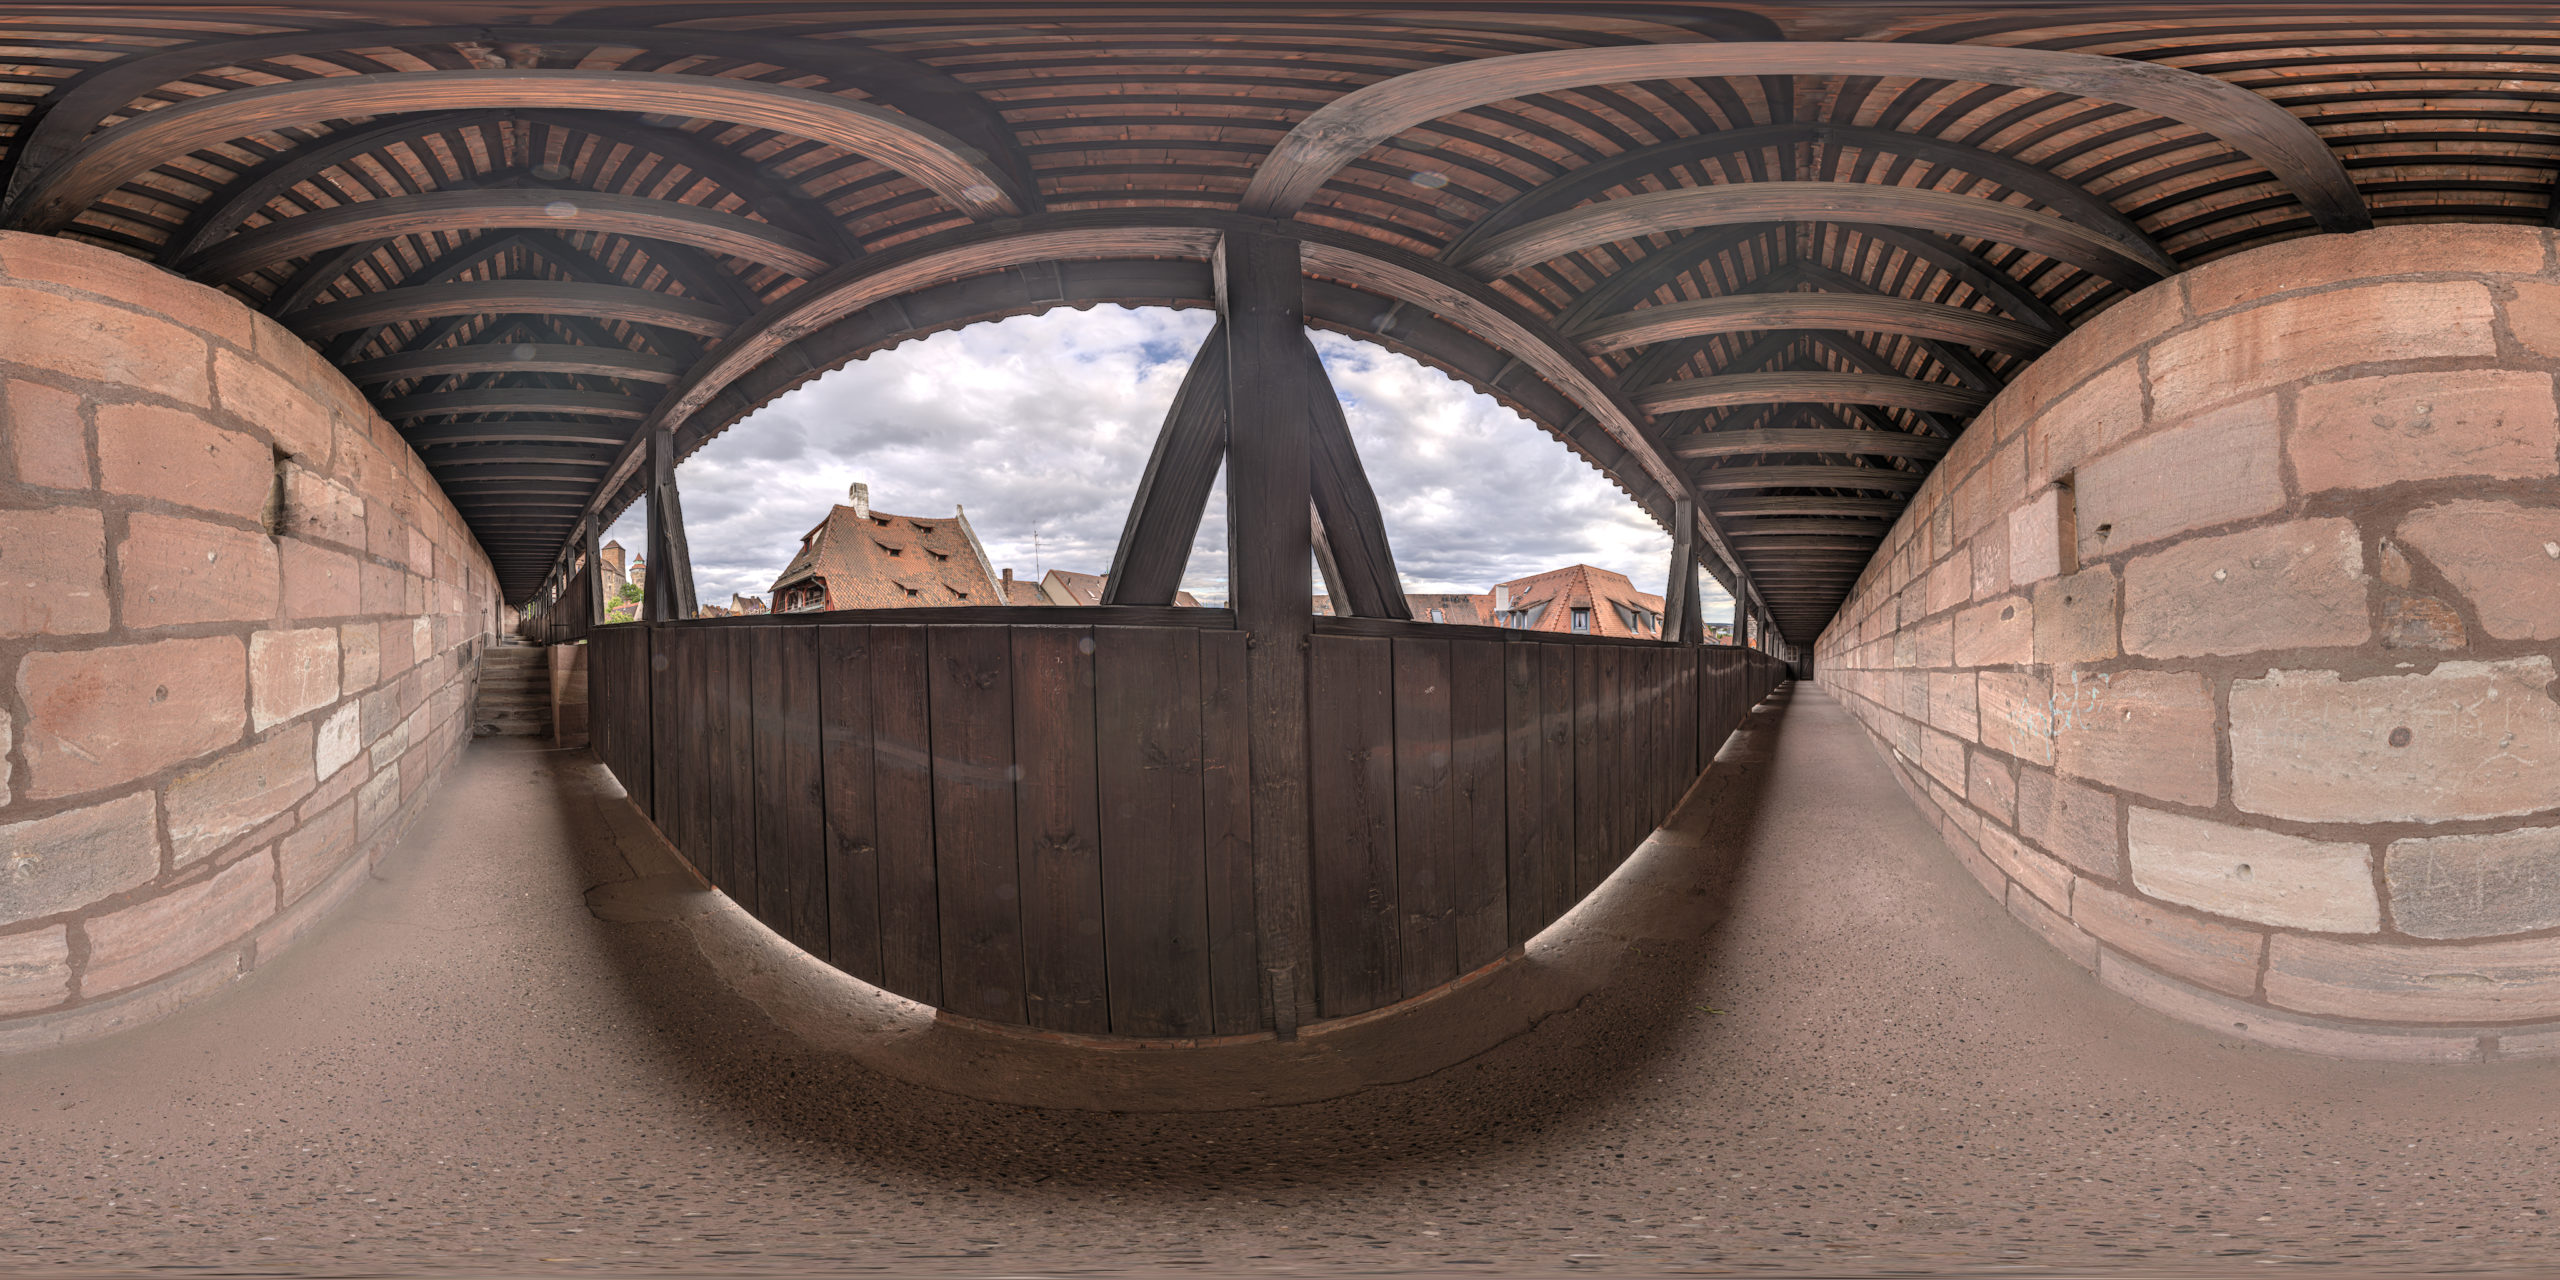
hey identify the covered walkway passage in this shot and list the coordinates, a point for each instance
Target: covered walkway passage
(1852, 1061)
(2131, 442)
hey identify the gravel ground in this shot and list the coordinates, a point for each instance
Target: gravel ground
(1867, 1067)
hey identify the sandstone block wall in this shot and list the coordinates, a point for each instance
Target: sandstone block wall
(2222, 646)
(239, 627)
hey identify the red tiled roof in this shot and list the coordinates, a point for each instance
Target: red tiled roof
(1546, 601)
(884, 561)
(1067, 587)
(1022, 591)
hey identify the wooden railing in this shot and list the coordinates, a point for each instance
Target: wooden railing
(1048, 823)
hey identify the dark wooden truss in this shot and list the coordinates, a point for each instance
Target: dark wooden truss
(1758, 264)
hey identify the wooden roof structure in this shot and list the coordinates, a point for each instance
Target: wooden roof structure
(1766, 257)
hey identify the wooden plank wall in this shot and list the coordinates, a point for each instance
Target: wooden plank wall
(1051, 826)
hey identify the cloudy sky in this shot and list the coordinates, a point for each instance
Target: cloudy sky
(1041, 425)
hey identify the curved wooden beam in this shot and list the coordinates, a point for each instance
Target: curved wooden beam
(1869, 529)
(1873, 444)
(531, 297)
(1856, 313)
(1656, 212)
(546, 208)
(1415, 281)
(1808, 477)
(1797, 505)
(582, 456)
(516, 357)
(1848, 545)
(1536, 352)
(928, 95)
(941, 163)
(1344, 129)
(1595, 180)
(1813, 388)
(550, 431)
(765, 193)
(598, 404)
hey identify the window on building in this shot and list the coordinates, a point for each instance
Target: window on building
(1435, 616)
(1582, 620)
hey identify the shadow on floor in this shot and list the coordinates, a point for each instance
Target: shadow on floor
(707, 1040)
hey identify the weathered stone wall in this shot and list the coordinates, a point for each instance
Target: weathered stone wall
(2222, 646)
(238, 623)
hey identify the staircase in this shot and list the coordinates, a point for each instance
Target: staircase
(515, 693)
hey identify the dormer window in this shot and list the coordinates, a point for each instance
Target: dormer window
(1582, 621)
(957, 591)
(895, 551)
(938, 556)
(911, 592)
(882, 521)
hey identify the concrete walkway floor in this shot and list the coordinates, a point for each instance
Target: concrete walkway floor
(1866, 1067)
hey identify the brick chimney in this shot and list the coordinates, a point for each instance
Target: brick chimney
(1502, 599)
(861, 495)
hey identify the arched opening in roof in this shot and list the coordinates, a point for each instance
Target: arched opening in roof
(1039, 427)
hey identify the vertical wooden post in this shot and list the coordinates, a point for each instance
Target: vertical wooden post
(668, 593)
(1268, 500)
(1681, 623)
(595, 602)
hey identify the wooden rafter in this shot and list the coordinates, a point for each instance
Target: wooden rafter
(1858, 313)
(601, 301)
(1819, 388)
(1880, 444)
(941, 163)
(1688, 208)
(543, 207)
(1339, 132)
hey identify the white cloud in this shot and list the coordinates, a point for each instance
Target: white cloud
(1041, 425)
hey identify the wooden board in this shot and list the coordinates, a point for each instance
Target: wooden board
(704, 738)
(789, 784)
(1426, 821)
(1057, 830)
(1479, 800)
(1608, 694)
(970, 670)
(846, 769)
(1684, 721)
(733, 827)
(1352, 830)
(1239, 1000)
(902, 743)
(1592, 808)
(1524, 825)
(1559, 765)
(1154, 890)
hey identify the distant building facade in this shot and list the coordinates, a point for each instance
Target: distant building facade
(615, 576)
(1457, 609)
(1580, 599)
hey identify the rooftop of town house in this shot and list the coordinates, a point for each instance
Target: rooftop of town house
(1068, 587)
(863, 558)
(1576, 598)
